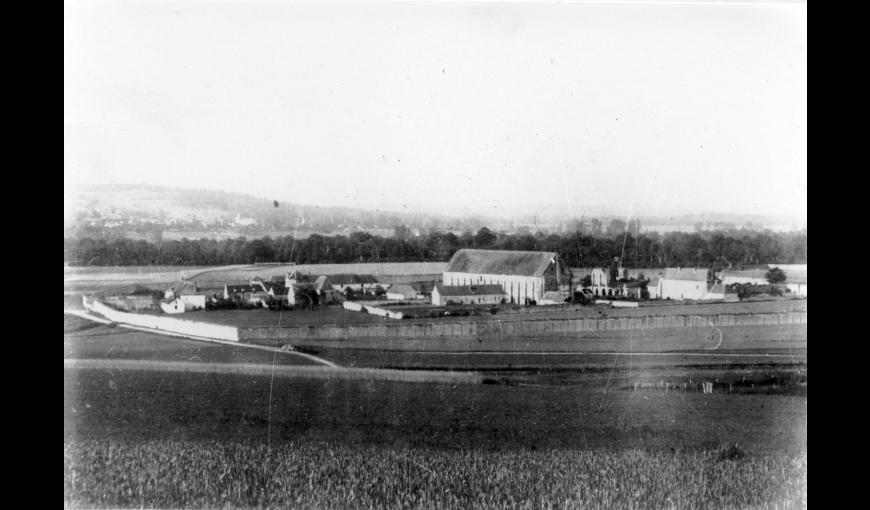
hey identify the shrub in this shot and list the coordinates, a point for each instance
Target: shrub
(731, 452)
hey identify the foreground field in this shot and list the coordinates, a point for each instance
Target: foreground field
(163, 439)
(596, 412)
(169, 474)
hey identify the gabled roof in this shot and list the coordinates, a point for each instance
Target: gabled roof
(404, 289)
(184, 287)
(653, 281)
(520, 263)
(322, 282)
(423, 287)
(680, 273)
(300, 277)
(717, 288)
(277, 288)
(469, 290)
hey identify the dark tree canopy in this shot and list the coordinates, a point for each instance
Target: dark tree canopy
(775, 275)
(702, 249)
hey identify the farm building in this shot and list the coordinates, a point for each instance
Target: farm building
(302, 288)
(597, 277)
(242, 292)
(355, 282)
(274, 289)
(131, 298)
(796, 282)
(654, 287)
(183, 303)
(523, 275)
(753, 276)
(181, 287)
(683, 283)
(468, 294)
(629, 281)
(325, 292)
(402, 291)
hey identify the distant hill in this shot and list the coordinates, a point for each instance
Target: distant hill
(141, 210)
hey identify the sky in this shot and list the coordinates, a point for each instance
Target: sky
(462, 107)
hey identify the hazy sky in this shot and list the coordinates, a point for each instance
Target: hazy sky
(451, 107)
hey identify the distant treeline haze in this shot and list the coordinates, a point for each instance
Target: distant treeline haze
(647, 250)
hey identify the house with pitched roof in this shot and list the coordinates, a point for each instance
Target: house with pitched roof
(468, 294)
(403, 291)
(355, 282)
(523, 275)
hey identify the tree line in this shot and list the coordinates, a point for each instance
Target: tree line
(647, 250)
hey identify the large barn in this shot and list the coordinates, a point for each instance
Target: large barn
(681, 283)
(524, 275)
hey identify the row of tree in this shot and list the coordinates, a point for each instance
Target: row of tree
(705, 249)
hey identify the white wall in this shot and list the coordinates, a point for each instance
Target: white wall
(193, 302)
(488, 299)
(518, 287)
(173, 325)
(798, 288)
(683, 289)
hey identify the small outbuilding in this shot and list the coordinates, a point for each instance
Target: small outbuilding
(468, 294)
(402, 291)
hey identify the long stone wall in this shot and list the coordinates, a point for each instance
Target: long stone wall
(530, 327)
(170, 324)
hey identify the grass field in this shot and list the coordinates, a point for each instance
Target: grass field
(89, 279)
(303, 474)
(594, 413)
(141, 438)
